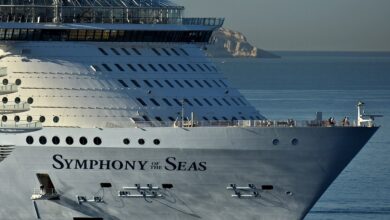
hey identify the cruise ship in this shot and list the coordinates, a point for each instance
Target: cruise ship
(111, 110)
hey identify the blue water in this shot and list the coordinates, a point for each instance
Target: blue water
(297, 86)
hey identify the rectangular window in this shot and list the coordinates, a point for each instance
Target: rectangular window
(98, 35)
(235, 102)
(175, 52)
(172, 67)
(136, 51)
(154, 102)
(152, 67)
(188, 102)
(142, 67)
(126, 51)
(156, 52)
(223, 83)
(119, 67)
(132, 68)
(115, 51)
(166, 51)
(198, 83)
(200, 67)
(148, 83)
(81, 35)
(163, 67)
(216, 101)
(242, 102)
(188, 83)
(185, 52)
(226, 101)
(207, 83)
(123, 83)
(158, 83)
(135, 83)
(103, 51)
(167, 102)
(141, 102)
(169, 83)
(191, 67)
(179, 84)
(215, 82)
(106, 67)
(178, 102)
(198, 102)
(208, 102)
(182, 67)
(207, 67)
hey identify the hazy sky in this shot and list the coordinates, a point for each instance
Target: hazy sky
(303, 24)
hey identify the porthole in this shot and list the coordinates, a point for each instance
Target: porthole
(17, 100)
(4, 100)
(42, 119)
(83, 140)
(56, 119)
(97, 141)
(29, 140)
(69, 140)
(55, 140)
(156, 141)
(294, 141)
(275, 142)
(5, 81)
(4, 118)
(289, 193)
(18, 82)
(141, 141)
(30, 100)
(17, 118)
(42, 140)
(29, 118)
(126, 141)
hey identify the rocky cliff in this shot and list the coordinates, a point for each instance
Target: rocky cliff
(226, 43)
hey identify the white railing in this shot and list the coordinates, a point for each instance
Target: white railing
(17, 107)
(6, 89)
(21, 125)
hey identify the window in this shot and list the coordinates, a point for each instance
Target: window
(126, 141)
(136, 51)
(55, 140)
(106, 67)
(123, 83)
(171, 118)
(175, 52)
(135, 83)
(198, 102)
(185, 52)
(30, 100)
(172, 67)
(17, 100)
(17, 118)
(158, 119)
(223, 83)
(125, 51)
(208, 102)
(177, 102)
(242, 102)
(142, 67)
(163, 67)
(103, 51)
(166, 51)
(169, 83)
(56, 119)
(207, 83)
(146, 118)
(182, 67)
(275, 142)
(216, 83)
(154, 102)
(167, 102)
(148, 83)
(178, 83)
(224, 118)
(29, 140)
(235, 102)
(219, 103)
(191, 67)
(205, 118)
(119, 67)
(158, 83)
(152, 67)
(200, 67)
(188, 83)
(156, 141)
(214, 68)
(132, 68)
(198, 83)
(97, 141)
(188, 102)
(207, 67)
(42, 119)
(226, 101)
(5, 100)
(215, 118)
(83, 140)
(141, 101)
(115, 51)
(69, 140)
(4, 118)
(29, 118)
(141, 141)
(156, 52)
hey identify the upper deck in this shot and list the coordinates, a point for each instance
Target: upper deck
(101, 12)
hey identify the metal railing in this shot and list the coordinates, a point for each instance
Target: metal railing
(246, 123)
(21, 125)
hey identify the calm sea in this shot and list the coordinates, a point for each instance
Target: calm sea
(300, 84)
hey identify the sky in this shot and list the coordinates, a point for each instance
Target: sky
(333, 25)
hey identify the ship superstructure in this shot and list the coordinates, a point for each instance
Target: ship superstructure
(111, 110)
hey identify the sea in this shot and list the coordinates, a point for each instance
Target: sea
(298, 85)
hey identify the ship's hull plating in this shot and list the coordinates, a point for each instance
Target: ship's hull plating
(199, 162)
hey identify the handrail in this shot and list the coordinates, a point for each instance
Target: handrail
(21, 125)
